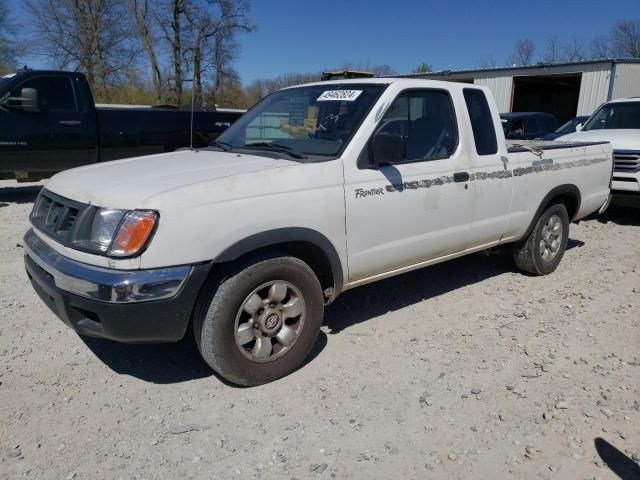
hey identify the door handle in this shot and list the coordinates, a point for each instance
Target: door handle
(461, 177)
(70, 123)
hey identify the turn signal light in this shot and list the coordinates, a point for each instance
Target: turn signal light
(134, 233)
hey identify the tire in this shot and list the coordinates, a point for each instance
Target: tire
(229, 312)
(529, 255)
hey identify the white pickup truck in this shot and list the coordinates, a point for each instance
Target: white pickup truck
(316, 190)
(618, 122)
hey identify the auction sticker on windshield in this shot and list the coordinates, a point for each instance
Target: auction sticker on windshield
(339, 95)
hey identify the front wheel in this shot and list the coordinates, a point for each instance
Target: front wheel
(261, 322)
(541, 252)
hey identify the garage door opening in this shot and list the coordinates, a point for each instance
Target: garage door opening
(555, 94)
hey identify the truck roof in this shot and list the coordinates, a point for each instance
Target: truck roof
(510, 115)
(392, 80)
(24, 71)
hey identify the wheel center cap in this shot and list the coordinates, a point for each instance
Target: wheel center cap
(271, 321)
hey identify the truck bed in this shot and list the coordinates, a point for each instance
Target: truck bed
(541, 166)
(514, 146)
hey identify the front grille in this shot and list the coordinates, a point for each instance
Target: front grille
(56, 216)
(626, 161)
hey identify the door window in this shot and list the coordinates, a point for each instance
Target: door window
(55, 93)
(426, 121)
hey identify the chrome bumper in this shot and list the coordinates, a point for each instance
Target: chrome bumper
(605, 205)
(103, 284)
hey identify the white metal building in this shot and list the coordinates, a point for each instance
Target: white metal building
(564, 89)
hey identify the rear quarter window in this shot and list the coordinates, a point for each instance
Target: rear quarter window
(484, 133)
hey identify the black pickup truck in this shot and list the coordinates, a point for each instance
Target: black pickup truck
(49, 122)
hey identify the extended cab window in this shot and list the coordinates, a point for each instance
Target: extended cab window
(55, 93)
(426, 121)
(484, 134)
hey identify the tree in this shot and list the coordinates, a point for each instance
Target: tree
(423, 68)
(601, 47)
(625, 38)
(377, 69)
(143, 15)
(489, 62)
(213, 27)
(262, 87)
(93, 36)
(574, 51)
(170, 14)
(7, 45)
(523, 51)
(201, 38)
(554, 49)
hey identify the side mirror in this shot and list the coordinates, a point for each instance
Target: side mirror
(30, 100)
(388, 148)
(579, 127)
(27, 101)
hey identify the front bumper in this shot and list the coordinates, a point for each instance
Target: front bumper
(128, 306)
(625, 183)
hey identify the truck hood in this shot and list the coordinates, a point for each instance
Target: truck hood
(129, 183)
(620, 139)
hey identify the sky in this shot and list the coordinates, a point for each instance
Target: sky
(310, 36)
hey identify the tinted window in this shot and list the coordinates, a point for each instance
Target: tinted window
(55, 93)
(427, 122)
(484, 133)
(549, 124)
(532, 125)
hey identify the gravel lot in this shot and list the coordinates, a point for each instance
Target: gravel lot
(463, 370)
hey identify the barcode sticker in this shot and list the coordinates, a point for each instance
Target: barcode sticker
(339, 95)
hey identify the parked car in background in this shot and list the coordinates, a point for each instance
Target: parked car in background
(566, 128)
(49, 122)
(248, 239)
(618, 122)
(527, 125)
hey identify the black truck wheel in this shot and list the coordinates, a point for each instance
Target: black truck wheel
(261, 322)
(541, 252)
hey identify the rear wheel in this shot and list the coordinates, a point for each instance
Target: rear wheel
(261, 322)
(543, 249)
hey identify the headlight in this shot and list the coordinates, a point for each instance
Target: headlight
(116, 233)
(104, 227)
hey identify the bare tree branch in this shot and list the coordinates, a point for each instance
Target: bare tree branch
(625, 38)
(523, 52)
(143, 18)
(601, 47)
(87, 35)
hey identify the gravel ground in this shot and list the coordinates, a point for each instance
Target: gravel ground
(463, 370)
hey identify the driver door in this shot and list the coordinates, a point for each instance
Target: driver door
(408, 213)
(52, 138)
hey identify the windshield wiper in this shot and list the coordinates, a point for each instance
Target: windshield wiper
(223, 145)
(277, 148)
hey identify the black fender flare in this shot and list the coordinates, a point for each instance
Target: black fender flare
(285, 235)
(553, 193)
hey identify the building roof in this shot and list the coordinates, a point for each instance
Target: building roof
(625, 100)
(522, 67)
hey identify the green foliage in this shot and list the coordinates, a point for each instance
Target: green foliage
(423, 68)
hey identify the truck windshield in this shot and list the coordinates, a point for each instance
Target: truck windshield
(303, 122)
(617, 115)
